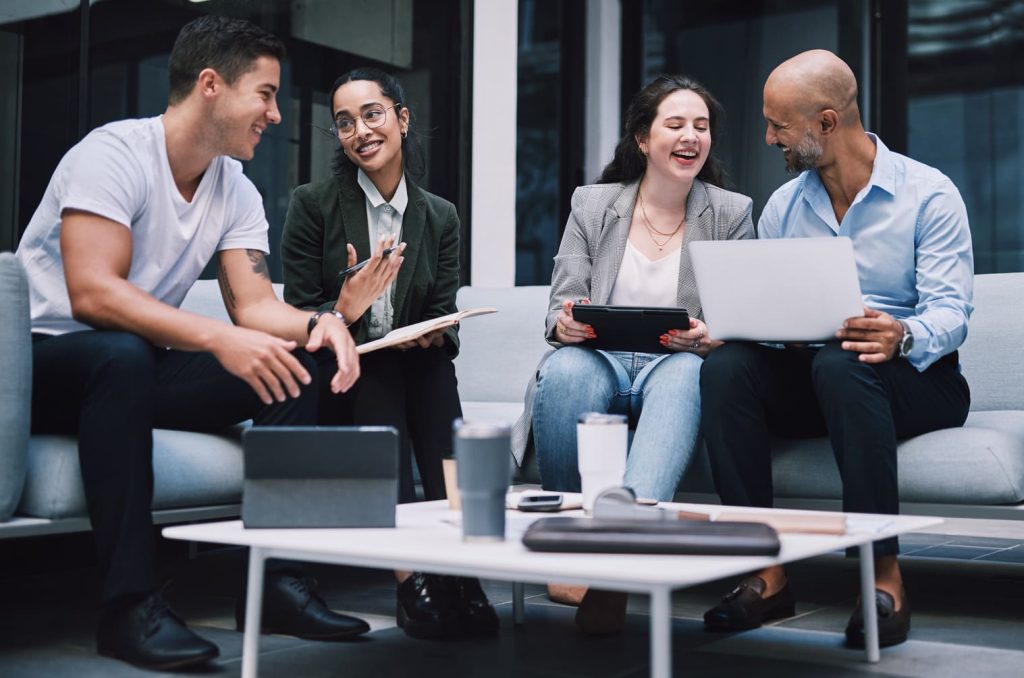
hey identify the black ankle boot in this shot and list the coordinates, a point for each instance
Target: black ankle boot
(148, 634)
(426, 607)
(476, 614)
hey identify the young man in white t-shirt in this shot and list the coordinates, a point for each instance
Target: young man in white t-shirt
(130, 218)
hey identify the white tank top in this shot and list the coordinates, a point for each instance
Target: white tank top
(642, 282)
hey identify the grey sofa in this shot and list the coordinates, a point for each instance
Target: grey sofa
(976, 471)
(197, 476)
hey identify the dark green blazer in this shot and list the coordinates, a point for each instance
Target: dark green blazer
(325, 216)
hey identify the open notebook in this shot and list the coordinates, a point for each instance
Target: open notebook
(410, 332)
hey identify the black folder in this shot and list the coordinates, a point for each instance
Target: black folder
(681, 537)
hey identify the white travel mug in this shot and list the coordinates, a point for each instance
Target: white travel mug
(601, 450)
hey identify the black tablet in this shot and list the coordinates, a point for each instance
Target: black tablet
(630, 328)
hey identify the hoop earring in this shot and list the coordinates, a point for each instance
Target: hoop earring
(405, 134)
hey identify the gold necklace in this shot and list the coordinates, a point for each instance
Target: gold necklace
(651, 230)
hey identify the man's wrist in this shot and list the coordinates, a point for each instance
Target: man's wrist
(315, 318)
(906, 343)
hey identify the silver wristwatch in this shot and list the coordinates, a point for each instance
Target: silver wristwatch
(315, 318)
(906, 344)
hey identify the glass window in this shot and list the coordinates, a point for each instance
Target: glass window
(965, 115)
(128, 48)
(688, 38)
(549, 131)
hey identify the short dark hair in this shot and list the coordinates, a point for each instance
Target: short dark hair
(412, 153)
(628, 163)
(228, 46)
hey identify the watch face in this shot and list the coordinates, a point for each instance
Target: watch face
(906, 344)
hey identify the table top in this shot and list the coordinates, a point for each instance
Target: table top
(428, 537)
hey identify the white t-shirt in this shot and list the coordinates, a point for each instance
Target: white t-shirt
(120, 172)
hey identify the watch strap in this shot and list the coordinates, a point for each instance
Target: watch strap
(315, 318)
(906, 344)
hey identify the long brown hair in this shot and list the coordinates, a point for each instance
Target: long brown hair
(629, 163)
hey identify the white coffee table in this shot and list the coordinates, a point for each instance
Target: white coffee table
(428, 538)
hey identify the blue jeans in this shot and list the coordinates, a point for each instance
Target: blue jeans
(659, 393)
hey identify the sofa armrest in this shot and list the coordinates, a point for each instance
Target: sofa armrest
(15, 382)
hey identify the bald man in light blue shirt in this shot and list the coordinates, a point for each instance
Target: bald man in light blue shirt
(892, 374)
(910, 238)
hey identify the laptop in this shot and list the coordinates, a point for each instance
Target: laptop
(777, 290)
(313, 476)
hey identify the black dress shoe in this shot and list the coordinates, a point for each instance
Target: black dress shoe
(291, 607)
(893, 626)
(149, 635)
(426, 607)
(745, 607)
(476, 614)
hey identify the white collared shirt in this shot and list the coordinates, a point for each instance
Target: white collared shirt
(384, 219)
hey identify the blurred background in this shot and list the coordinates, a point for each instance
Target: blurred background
(940, 80)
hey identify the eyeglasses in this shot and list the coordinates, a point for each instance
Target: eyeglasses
(373, 117)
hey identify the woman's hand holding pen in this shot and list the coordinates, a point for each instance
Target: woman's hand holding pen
(569, 331)
(360, 289)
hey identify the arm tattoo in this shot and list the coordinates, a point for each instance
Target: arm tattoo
(225, 287)
(259, 263)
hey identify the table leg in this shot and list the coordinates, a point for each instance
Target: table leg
(253, 612)
(867, 598)
(661, 633)
(518, 602)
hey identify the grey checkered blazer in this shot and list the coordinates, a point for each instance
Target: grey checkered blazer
(594, 243)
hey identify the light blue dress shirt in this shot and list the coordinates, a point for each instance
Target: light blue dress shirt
(911, 240)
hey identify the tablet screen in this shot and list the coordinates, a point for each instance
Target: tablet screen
(630, 328)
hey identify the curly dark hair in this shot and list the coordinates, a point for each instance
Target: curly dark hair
(629, 163)
(412, 154)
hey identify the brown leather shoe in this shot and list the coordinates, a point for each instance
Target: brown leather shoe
(601, 613)
(745, 607)
(893, 626)
(567, 594)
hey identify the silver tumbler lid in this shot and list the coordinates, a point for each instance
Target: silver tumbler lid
(601, 418)
(480, 429)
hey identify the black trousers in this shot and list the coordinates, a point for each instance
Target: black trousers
(749, 391)
(416, 392)
(112, 389)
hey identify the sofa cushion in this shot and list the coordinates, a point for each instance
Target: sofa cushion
(190, 469)
(501, 351)
(15, 381)
(981, 463)
(992, 358)
(496, 413)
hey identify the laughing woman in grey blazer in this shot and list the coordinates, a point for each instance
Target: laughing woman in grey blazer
(625, 244)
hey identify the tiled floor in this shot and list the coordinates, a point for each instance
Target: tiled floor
(966, 592)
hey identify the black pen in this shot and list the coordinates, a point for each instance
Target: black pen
(352, 269)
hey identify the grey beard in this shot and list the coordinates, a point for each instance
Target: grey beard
(805, 155)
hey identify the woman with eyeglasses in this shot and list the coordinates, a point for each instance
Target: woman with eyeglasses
(625, 245)
(368, 207)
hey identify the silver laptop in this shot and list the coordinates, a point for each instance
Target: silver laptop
(777, 290)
